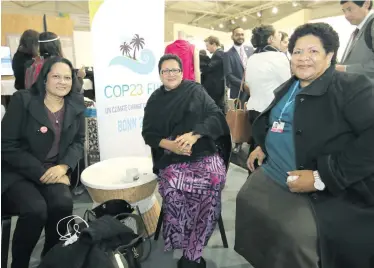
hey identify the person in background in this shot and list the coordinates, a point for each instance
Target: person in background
(311, 203)
(266, 70)
(50, 46)
(284, 42)
(27, 50)
(234, 62)
(204, 61)
(42, 138)
(214, 79)
(181, 125)
(358, 56)
(189, 56)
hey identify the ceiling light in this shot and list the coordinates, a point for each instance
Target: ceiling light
(220, 25)
(236, 18)
(274, 10)
(232, 22)
(259, 14)
(244, 19)
(212, 28)
(295, 4)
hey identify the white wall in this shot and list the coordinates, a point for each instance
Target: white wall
(83, 48)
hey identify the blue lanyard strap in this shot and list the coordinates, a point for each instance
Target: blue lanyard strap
(289, 101)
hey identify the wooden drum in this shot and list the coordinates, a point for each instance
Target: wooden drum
(114, 179)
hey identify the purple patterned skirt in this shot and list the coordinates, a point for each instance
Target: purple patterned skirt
(191, 195)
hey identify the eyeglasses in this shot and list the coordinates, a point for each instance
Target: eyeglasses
(170, 71)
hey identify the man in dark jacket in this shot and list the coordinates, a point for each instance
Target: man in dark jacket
(214, 80)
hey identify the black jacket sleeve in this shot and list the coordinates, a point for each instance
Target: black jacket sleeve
(356, 161)
(11, 133)
(231, 79)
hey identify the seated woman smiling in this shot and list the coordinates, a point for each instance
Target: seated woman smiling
(42, 136)
(181, 124)
(311, 203)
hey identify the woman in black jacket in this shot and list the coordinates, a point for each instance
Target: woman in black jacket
(27, 49)
(311, 203)
(42, 136)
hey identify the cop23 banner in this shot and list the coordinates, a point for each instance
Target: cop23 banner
(128, 40)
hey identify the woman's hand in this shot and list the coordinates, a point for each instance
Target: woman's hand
(64, 180)
(304, 183)
(53, 174)
(175, 148)
(256, 154)
(187, 140)
(82, 72)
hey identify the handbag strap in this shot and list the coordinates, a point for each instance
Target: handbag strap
(242, 86)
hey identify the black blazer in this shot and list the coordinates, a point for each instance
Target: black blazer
(24, 147)
(234, 69)
(214, 77)
(334, 134)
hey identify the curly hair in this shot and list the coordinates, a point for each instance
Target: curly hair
(261, 34)
(326, 34)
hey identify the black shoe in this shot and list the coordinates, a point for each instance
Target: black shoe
(185, 263)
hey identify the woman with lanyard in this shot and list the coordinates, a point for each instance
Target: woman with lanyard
(311, 203)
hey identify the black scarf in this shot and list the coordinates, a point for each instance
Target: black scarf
(266, 49)
(187, 108)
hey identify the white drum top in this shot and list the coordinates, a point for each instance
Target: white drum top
(117, 173)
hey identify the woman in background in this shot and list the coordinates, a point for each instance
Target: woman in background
(181, 125)
(42, 136)
(50, 46)
(27, 50)
(266, 70)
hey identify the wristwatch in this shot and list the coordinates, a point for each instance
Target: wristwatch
(318, 183)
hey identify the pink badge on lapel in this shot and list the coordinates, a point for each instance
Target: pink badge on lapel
(43, 129)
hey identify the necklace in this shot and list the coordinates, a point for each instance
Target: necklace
(56, 115)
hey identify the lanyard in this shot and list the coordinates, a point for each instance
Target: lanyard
(289, 101)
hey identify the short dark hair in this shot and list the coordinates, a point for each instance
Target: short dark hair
(29, 43)
(169, 57)
(261, 34)
(51, 48)
(237, 27)
(283, 35)
(359, 3)
(38, 88)
(328, 36)
(212, 40)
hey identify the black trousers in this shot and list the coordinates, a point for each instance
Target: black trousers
(38, 207)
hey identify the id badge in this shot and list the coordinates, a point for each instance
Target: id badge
(277, 127)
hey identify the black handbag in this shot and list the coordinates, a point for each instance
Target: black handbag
(123, 211)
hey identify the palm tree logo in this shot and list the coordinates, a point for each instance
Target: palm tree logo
(137, 43)
(125, 48)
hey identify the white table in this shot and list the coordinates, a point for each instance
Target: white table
(107, 180)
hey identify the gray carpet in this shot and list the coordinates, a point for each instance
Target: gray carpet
(215, 255)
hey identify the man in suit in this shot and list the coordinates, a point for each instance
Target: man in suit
(358, 56)
(234, 64)
(214, 80)
(235, 61)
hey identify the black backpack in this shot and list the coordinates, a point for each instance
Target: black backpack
(368, 36)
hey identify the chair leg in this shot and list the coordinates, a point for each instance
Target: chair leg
(223, 233)
(159, 224)
(5, 240)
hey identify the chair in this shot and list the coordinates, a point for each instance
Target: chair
(223, 145)
(6, 222)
